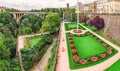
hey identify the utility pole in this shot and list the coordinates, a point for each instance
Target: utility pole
(77, 11)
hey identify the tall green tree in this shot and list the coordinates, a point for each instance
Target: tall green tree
(4, 55)
(52, 23)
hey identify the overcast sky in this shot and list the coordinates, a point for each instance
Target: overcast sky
(38, 4)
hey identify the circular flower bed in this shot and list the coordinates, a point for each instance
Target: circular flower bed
(75, 57)
(102, 55)
(94, 58)
(77, 31)
(83, 61)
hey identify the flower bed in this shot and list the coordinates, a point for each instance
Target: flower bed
(77, 31)
(94, 58)
(83, 61)
(78, 60)
(102, 55)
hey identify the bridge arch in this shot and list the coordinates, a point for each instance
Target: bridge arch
(19, 15)
(22, 17)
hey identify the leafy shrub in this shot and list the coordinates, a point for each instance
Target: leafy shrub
(97, 22)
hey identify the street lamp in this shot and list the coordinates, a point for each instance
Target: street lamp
(77, 12)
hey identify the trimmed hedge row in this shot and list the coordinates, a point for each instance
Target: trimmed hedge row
(35, 53)
(52, 59)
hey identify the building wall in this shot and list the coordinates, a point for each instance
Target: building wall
(108, 6)
(112, 23)
(2, 9)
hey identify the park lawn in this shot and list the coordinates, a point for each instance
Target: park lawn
(114, 67)
(89, 27)
(87, 46)
(33, 41)
(74, 66)
(72, 26)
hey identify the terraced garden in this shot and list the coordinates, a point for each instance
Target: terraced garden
(86, 49)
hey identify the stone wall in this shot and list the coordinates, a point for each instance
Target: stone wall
(112, 23)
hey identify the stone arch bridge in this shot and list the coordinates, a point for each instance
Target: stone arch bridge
(19, 15)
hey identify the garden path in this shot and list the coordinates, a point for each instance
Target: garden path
(20, 44)
(44, 61)
(63, 61)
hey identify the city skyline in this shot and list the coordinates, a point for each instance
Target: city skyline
(38, 4)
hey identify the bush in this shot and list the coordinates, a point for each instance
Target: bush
(15, 65)
(52, 60)
(35, 53)
(97, 22)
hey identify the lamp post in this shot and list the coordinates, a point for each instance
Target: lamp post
(77, 12)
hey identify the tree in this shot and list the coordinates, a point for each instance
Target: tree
(4, 55)
(51, 24)
(32, 21)
(97, 22)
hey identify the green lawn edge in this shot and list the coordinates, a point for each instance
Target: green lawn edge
(114, 67)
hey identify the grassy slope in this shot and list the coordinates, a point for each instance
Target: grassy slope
(89, 48)
(114, 67)
(33, 41)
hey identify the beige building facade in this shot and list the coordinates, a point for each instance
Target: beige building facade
(108, 6)
(2, 9)
(90, 8)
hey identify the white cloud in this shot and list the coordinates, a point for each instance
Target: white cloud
(37, 4)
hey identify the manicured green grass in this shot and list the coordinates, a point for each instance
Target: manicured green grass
(33, 41)
(74, 66)
(114, 67)
(89, 27)
(72, 26)
(87, 46)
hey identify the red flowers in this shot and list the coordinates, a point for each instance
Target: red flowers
(77, 31)
(102, 55)
(75, 57)
(72, 44)
(109, 52)
(83, 61)
(73, 50)
(94, 58)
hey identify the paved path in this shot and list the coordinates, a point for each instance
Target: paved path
(21, 45)
(63, 62)
(44, 61)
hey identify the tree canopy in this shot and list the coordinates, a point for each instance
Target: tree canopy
(51, 23)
